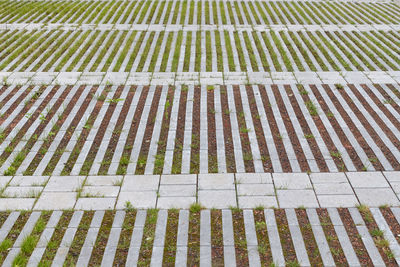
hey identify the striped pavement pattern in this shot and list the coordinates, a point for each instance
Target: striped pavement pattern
(306, 237)
(80, 130)
(200, 12)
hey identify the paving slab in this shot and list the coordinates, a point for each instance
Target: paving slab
(297, 198)
(56, 201)
(376, 197)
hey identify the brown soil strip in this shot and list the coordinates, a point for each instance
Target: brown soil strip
(84, 134)
(79, 239)
(102, 238)
(308, 237)
(162, 143)
(148, 133)
(132, 132)
(377, 236)
(54, 130)
(226, 122)
(341, 135)
(27, 124)
(389, 100)
(262, 142)
(14, 105)
(301, 158)
(280, 148)
(264, 247)
(125, 239)
(217, 243)
(392, 222)
(243, 131)
(100, 132)
(323, 131)
(13, 235)
(56, 238)
(180, 132)
(195, 144)
(239, 235)
(212, 138)
(193, 257)
(371, 155)
(285, 236)
(149, 229)
(319, 158)
(171, 238)
(354, 237)
(105, 164)
(331, 238)
(68, 133)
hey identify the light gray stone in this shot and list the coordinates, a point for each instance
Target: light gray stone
(251, 202)
(217, 198)
(179, 179)
(64, 183)
(105, 203)
(134, 183)
(29, 180)
(327, 201)
(291, 181)
(375, 197)
(333, 189)
(177, 190)
(100, 191)
(216, 181)
(143, 200)
(253, 178)
(255, 190)
(328, 177)
(297, 198)
(56, 201)
(16, 203)
(104, 180)
(175, 202)
(367, 179)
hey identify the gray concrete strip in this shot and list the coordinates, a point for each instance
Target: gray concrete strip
(86, 251)
(159, 239)
(182, 239)
(274, 239)
(320, 239)
(297, 238)
(112, 243)
(205, 238)
(136, 239)
(251, 238)
(228, 238)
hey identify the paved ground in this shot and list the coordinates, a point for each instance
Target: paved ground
(282, 115)
(244, 190)
(294, 237)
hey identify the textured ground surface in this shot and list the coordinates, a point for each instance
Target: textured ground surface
(117, 105)
(306, 237)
